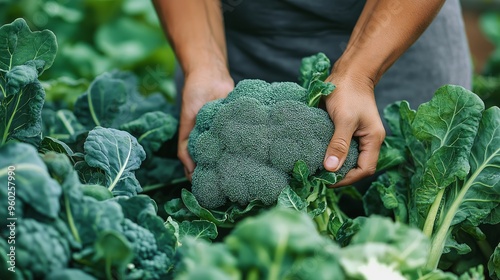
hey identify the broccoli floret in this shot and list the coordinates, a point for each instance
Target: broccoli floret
(247, 144)
(149, 262)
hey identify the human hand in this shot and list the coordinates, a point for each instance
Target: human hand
(354, 112)
(200, 87)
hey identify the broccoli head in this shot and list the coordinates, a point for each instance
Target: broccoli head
(246, 145)
(149, 262)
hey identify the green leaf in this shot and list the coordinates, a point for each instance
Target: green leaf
(448, 123)
(61, 124)
(391, 190)
(280, 244)
(235, 212)
(19, 45)
(205, 214)
(393, 118)
(489, 23)
(474, 273)
(102, 215)
(127, 41)
(200, 260)
(118, 154)
(20, 114)
(22, 75)
(405, 249)
(34, 188)
(115, 250)
(152, 130)
(313, 71)
(99, 106)
(90, 175)
(392, 153)
(289, 199)
(177, 210)
(481, 191)
(198, 229)
(300, 171)
(315, 67)
(54, 145)
(98, 192)
(318, 89)
(494, 264)
(327, 178)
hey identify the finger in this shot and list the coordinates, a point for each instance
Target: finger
(185, 158)
(338, 147)
(369, 147)
(185, 127)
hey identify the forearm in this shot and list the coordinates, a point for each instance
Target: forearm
(384, 31)
(196, 32)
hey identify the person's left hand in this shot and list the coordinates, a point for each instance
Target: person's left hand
(354, 112)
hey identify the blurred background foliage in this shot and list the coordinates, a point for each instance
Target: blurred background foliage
(95, 36)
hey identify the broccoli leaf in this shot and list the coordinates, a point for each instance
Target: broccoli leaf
(448, 123)
(494, 264)
(313, 71)
(99, 106)
(312, 68)
(448, 184)
(198, 229)
(481, 191)
(289, 199)
(24, 55)
(394, 245)
(152, 130)
(197, 259)
(54, 145)
(118, 154)
(192, 204)
(115, 251)
(21, 108)
(34, 187)
(61, 124)
(19, 45)
(283, 244)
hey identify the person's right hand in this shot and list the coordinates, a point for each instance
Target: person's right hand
(200, 87)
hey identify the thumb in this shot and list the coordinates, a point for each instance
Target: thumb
(337, 149)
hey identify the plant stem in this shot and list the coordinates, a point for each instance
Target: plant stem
(437, 244)
(431, 216)
(274, 270)
(7, 127)
(485, 248)
(109, 275)
(71, 222)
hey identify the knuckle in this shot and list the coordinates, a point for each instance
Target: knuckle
(340, 145)
(370, 171)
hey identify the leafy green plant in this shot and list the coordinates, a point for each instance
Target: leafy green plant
(24, 55)
(446, 182)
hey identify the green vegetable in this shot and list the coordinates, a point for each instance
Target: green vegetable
(24, 55)
(447, 182)
(149, 262)
(246, 145)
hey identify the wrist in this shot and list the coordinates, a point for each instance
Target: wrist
(354, 69)
(353, 76)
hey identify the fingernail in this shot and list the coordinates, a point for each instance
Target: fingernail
(331, 163)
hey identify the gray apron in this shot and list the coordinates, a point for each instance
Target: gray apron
(266, 39)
